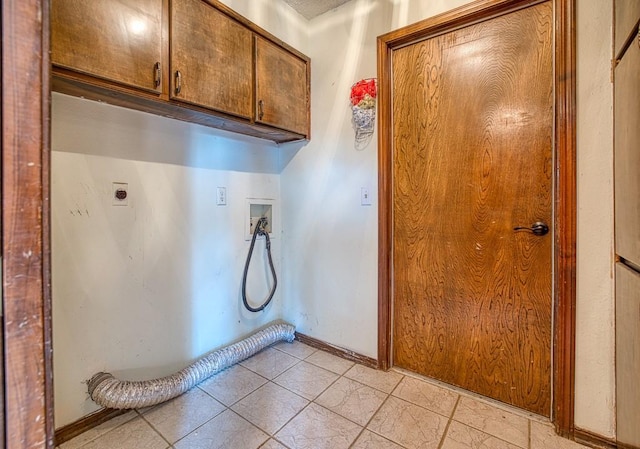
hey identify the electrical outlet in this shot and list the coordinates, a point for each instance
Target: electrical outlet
(120, 194)
(221, 196)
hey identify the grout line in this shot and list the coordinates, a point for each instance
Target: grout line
(365, 427)
(529, 445)
(157, 431)
(446, 429)
(288, 353)
(476, 396)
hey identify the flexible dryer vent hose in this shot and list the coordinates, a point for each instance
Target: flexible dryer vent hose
(110, 392)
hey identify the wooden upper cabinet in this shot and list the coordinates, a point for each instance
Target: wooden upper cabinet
(211, 59)
(116, 40)
(194, 60)
(282, 88)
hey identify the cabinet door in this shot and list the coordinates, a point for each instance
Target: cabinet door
(117, 40)
(627, 354)
(627, 155)
(211, 58)
(627, 13)
(282, 94)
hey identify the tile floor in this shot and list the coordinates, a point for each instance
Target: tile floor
(293, 396)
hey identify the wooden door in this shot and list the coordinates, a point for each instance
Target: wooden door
(211, 59)
(281, 88)
(472, 160)
(118, 41)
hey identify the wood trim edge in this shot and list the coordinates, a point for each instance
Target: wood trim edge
(385, 205)
(337, 351)
(72, 430)
(594, 440)
(28, 399)
(565, 220)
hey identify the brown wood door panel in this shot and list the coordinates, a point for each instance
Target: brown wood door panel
(472, 138)
(117, 40)
(214, 55)
(281, 88)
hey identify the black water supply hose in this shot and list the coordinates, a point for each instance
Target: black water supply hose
(259, 230)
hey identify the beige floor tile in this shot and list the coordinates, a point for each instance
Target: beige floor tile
(296, 349)
(178, 417)
(370, 440)
(306, 380)
(225, 431)
(380, 380)
(353, 400)
(270, 363)
(427, 395)
(318, 428)
(460, 436)
(543, 436)
(272, 444)
(96, 432)
(233, 384)
(135, 434)
(493, 420)
(408, 424)
(329, 362)
(270, 407)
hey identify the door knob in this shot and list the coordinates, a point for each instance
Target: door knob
(538, 228)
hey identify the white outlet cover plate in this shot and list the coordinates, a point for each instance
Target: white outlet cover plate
(115, 187)
(221, 196)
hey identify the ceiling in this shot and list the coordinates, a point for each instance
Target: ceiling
(312, 8)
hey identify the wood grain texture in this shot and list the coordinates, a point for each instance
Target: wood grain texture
(70, 84)
(86, 423)
(214, 55)
(385, 204)
(627, 355)
(472, 135)
(25, 224)
(565, 218)
(337, 351)
(119, 40)
(282, 94)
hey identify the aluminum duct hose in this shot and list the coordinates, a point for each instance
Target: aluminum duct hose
(110, 392)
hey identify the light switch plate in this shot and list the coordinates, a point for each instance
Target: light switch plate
(365, 197)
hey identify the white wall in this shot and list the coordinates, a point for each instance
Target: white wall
(144, 289)
(595, 341)
(330, 255)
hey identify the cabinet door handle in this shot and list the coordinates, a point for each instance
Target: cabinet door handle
(157, 75)
(178, 82)
(260, 109)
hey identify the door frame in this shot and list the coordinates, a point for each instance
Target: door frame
(564, 202)
(26, 93)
